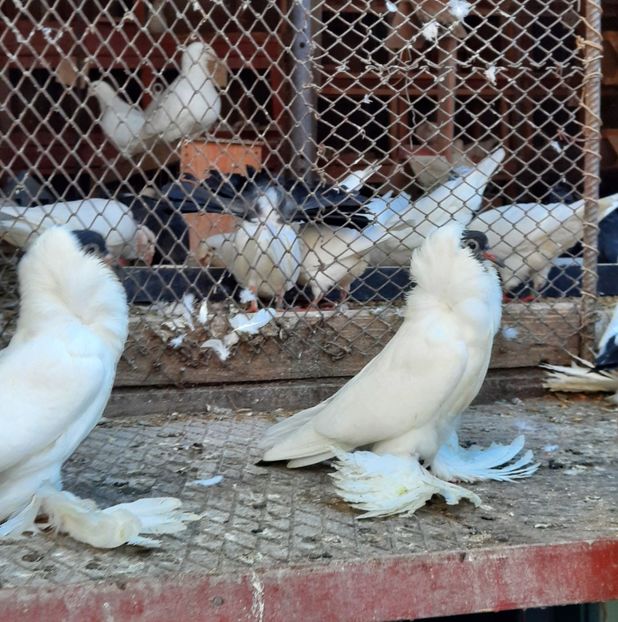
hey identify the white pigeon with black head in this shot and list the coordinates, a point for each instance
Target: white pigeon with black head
(405, 403)
(56, 376)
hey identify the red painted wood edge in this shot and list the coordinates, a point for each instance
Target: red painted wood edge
(387, 589)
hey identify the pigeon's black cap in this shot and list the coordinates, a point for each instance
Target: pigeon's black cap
(91, 242)
(477, 237)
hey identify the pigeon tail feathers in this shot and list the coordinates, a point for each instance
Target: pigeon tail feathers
(577, 379)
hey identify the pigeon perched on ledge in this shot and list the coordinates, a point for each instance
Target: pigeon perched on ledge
(405, 404)
(56, 376)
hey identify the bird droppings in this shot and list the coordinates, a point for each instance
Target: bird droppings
(275, 517)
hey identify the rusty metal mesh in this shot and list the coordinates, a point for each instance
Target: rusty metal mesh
(181, 117)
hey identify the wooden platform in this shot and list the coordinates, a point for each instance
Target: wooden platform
(278, 545)
(325, 344)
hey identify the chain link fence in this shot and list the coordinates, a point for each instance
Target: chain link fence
(262, 169)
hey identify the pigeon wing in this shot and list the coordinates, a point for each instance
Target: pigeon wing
(401, 389)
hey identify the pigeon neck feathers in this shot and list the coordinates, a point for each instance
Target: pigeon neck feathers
(448, 274)
(60, 283)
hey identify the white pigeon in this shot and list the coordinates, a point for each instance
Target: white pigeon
(602, 376)
(407, 223)
(56, 376)
(192, 103)
(125, 238)
(527, 237)
(120, 121)
(189, 106)
(432, 369)
(264, 253)
(333, 258)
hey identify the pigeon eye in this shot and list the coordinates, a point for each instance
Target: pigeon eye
(91, 249)
(473, 245)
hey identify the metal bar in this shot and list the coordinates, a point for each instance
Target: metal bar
(304, 128)
(591, 100)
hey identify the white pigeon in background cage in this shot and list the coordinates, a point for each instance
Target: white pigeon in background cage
(528, 237)
(189, 106)
(124, 236)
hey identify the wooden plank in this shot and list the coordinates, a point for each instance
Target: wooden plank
(445, 584)
(500, 384)
(326, 344)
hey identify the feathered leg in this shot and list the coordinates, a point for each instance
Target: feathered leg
(108, 528)
(497, 462)
(384, 485)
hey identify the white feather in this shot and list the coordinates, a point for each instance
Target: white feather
(497, 462)
(252, 323)
(220, 349)
(430, 30)
(459, 9)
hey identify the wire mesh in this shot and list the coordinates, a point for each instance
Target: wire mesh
(262, 170)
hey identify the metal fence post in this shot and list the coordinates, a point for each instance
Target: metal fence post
(303, 131)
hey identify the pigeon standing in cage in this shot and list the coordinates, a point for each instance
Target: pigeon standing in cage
(56, 377)
(189, 106)
(527, 237)
(126, 238)
(431, 369)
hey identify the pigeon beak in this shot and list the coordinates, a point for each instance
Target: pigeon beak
(491, 257)
(109, 260)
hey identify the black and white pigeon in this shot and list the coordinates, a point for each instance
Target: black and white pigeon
(56, 376)
(405, 404)
(601, 377)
